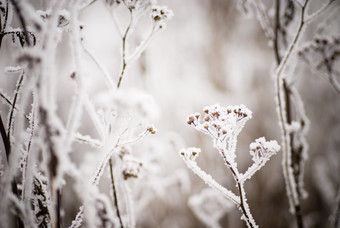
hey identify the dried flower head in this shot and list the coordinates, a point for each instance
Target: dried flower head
(160, 14)
(190, 153)
(221, 122)
(261, 150)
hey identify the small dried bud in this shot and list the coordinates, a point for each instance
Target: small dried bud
(191, 120)
(224, 132)
(217, 114)
(73, 75)
(206, 126)
(207, 118)
(218, 127)
(151, 130)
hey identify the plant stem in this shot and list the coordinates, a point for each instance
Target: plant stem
(3, 26)
(284, 113)
(115, 194)
(22, 21)
(11, 115)
(124, 64)
(7, 145)
(58, 207)
(243, 202)
(5, 139)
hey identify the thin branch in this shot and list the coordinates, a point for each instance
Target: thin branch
(7, 99)
(4, 25)
(284, 117)
(5, 139)
(319, 12)
(7, 145)
(58, 208)
(211, 182)
(11, 115)
(124, 64)
(243, 202)
(115, 194)
(276, 32)
(22, 20)
(108, 77)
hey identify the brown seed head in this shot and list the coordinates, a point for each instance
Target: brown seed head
(191, 120)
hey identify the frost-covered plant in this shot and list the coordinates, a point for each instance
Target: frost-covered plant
(159, 15)
(39, 141)
(290, 21)
(223, 125)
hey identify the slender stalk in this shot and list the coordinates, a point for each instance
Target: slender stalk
(3, 26)
(11, 115)
(243, 202)
(284, 113)
(115, 194)
(124, 63)
(58, 207)
(7, 145)
(22, 20)
(118, 85)
(276, 32)
(5, 139)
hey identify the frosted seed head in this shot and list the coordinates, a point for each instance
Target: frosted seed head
(152, 129)
(160, 14)
(190, 153)
(262, 150)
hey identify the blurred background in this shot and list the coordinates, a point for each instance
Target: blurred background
(209, 53)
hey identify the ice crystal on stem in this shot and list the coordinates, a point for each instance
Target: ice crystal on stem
(224, 124)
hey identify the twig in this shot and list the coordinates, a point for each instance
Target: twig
(7, 99)
(318, 12)
(276, 32)
(7, 145)
(4, 25)
(284, 117)
(115, 194)
(5, 139)
(124, 64)
(243, 202)
(10, 121)
(22, 20)
(58, 208)
(108, 77)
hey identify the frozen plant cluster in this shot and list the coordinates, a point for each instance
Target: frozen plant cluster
(40, 160)
(223, 125)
